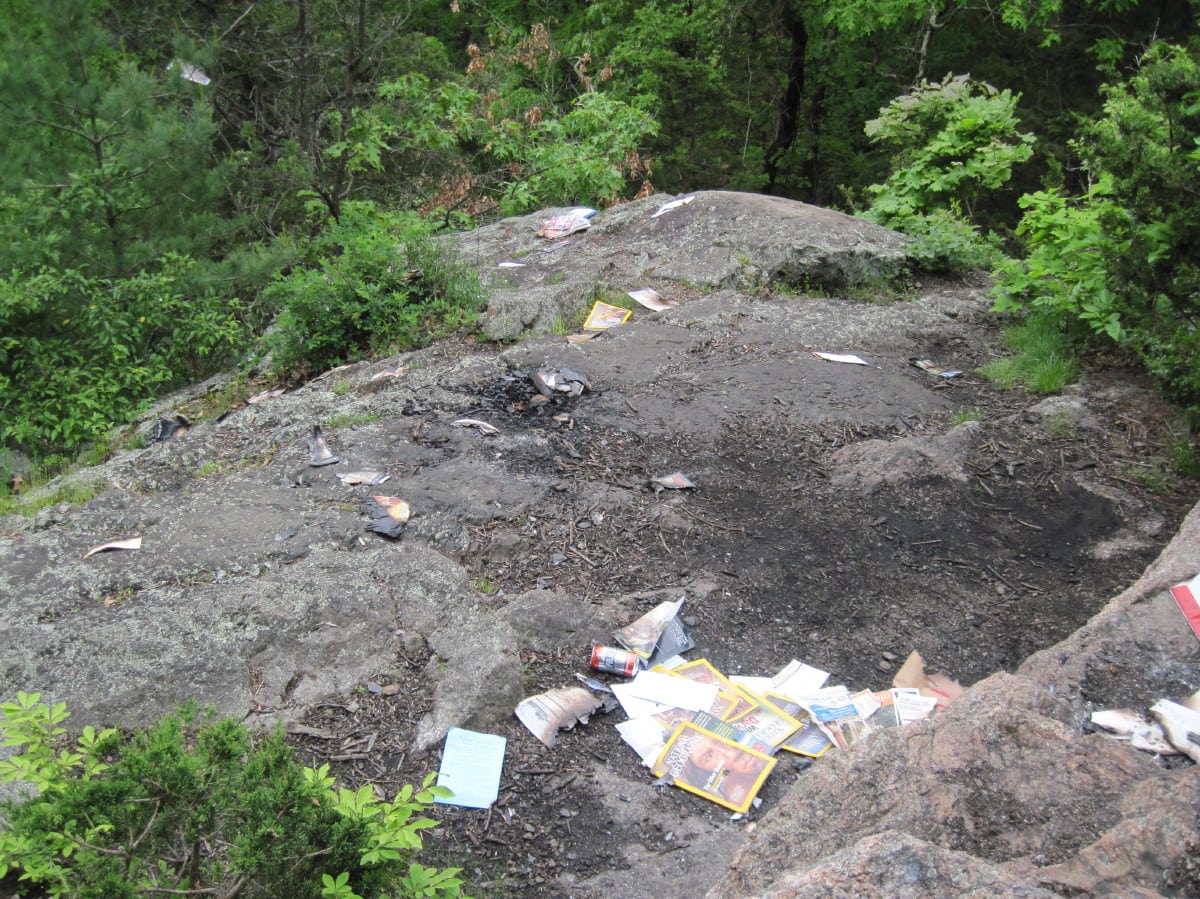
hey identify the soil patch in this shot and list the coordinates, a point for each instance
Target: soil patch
(781, 555)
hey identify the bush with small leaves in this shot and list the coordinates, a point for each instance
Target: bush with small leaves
(194, 806)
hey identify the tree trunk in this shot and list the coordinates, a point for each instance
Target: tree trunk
(793, 96)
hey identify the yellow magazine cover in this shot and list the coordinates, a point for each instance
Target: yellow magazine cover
(713, 767)
(604, 315)
(704, 672)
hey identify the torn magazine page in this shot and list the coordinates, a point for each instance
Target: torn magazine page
(643, 635)
(547, 713)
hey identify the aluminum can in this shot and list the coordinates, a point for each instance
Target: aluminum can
(614, 660)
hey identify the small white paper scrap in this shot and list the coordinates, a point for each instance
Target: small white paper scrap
(510, 265)
(797, 680)
(665, 690)
(848, 358)
(674, 204)
(471, 766)
(651, 299)
(644, 736)
(127, 543)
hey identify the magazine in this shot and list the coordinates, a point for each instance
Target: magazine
(836, 714)
(809, 739)
(642, 636)
(703, 671)
(713, 767)
(604, 316)
(766, 722)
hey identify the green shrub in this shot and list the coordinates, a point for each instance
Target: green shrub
(1120, 261)
(376, 284)
(79, 354)
(943, 241)
(949, 142)
(193, 806)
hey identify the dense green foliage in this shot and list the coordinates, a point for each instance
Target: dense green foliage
(77, 350)
(1120, 260)
(192, 806)
(951, 143)
(177, 179)
(371, 284)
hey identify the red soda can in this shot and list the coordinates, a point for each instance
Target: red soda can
(614, 661)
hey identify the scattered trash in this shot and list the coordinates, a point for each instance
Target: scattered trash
(1181, 724)
(547, 713)
(652, 299)
(388, 373)
(1187, 595)
(939, 687)
(558, 245)
(1125, 724)
(614, 660)
(510, 265)
(370, 478)
(674, 481)
(164, 429)
(642, 636)
(318, 451)
(714, 767)
(847, 358)
(189, 72)
(485, 429)
(471, 767)
(674, 204)
(265, 395)
(389, 515)
(718, 737)
(564, 380)
(927, 365)
(604, 316)
(125, 543)
(565, 225)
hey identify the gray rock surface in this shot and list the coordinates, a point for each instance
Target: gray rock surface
(720, 240)
(258, 591)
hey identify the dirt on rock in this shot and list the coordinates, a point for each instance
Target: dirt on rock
(843, 515)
